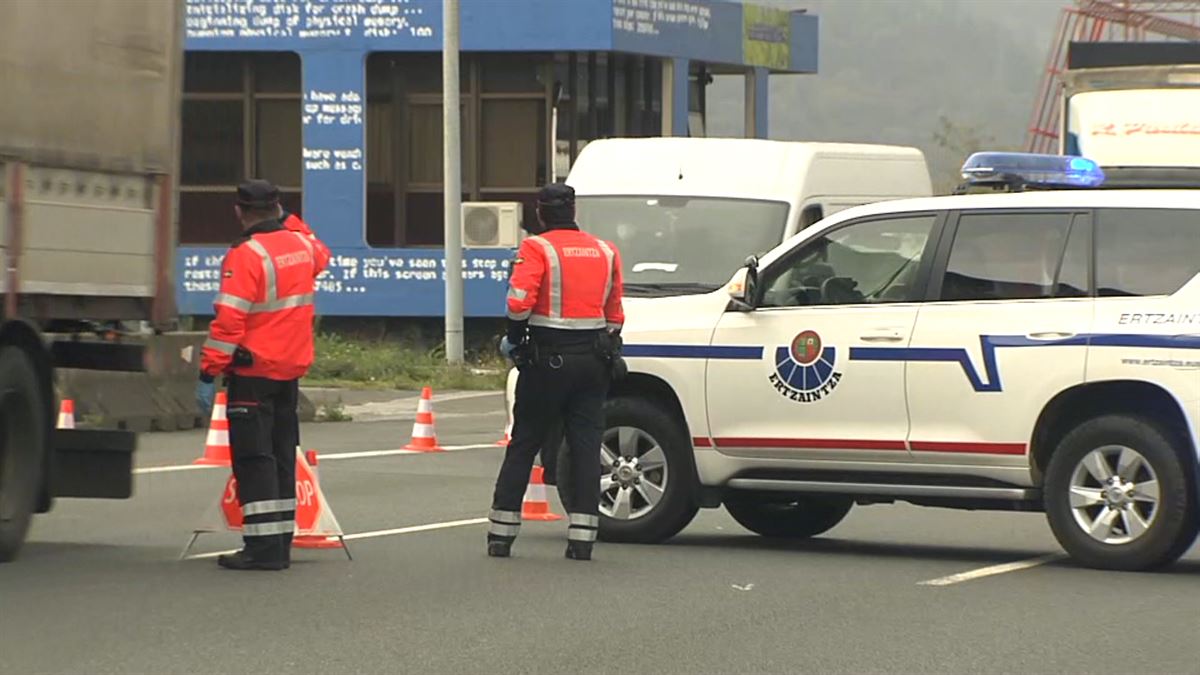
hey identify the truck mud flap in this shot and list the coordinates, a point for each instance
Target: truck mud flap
(93, 463)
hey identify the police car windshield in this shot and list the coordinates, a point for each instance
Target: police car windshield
(682, 244)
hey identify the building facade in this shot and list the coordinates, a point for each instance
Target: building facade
(339, 102)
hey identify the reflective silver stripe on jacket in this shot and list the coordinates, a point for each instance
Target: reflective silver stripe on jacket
(223, 347)
(520, 316)
(592, 323)
(608, 282)
(273, 303)
(269, 506)
(555, 269)
(233, 302)
(611, 325)
(517, 293)
(268, 267)
(285, 303)
(268, 529)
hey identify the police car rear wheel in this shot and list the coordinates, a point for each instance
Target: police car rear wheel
(786, 516)
(647, 483)
(1119, 496)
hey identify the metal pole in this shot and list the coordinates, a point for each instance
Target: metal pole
(452, 182)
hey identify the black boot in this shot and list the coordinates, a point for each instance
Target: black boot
(579, 550)
(242, 561)
(497, 548)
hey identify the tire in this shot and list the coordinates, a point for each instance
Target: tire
(642, 426)
(23, 441)
(1144, 535)
(786, 516)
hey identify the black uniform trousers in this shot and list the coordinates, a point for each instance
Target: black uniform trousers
(263, 433)
(567, 387)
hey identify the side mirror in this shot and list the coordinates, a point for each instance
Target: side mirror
(743, 287)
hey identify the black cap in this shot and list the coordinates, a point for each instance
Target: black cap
(257, 194)
(556, 195)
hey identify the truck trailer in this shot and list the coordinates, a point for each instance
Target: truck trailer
(89, 158)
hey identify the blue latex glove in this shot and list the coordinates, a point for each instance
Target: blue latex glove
(506, 347)
(206, 394)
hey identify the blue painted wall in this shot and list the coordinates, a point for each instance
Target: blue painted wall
(333, 39)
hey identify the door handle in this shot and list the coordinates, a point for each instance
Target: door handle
(882, 335)
(1050, 335)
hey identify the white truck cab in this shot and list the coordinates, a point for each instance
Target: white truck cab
(1036, 350)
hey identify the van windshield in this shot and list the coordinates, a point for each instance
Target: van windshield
(675, 245)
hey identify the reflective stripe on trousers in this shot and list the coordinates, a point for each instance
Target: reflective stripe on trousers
(582, 527)
(504, 524)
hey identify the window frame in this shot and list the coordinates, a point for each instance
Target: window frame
(249, 96)
(941, 260)
(924, 270)
(1096, 241)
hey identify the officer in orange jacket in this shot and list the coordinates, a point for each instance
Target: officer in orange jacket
(262, 342)
(564, 323)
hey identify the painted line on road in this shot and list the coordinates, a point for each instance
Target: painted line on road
(992, 570)
(373, 534)
(320, 458)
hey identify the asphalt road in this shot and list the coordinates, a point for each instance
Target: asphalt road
(100, 588)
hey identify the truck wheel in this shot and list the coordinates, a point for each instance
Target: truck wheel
(647, 480)
(786, 516)
(22, 443)
(1118, 496)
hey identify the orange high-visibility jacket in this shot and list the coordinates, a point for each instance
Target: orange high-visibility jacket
(567, 279)
(265, 305)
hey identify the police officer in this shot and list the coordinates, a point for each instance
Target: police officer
(262, 342)
(564, 316)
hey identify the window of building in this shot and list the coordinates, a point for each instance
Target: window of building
(241, 118)
(1009, 256)
(504, 139)
(1143, 252)
(874, 261)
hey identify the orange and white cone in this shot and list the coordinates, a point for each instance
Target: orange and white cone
(424, 436)
(66, 414)
(537, 505)
(216, 446)
(503, 442)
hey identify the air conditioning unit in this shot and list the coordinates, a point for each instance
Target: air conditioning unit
(491, 224)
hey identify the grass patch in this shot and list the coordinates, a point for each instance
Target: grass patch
(360, 363)
(333, 411)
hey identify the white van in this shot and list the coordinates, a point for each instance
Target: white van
(685, 213)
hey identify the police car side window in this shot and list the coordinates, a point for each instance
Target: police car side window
(1010, 256)
(868, 262)
(1146, 251)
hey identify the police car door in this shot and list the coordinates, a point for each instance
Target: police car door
(1006, 330)
(783, 381)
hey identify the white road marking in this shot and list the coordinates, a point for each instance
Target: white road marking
(320, 458)
(992, 570)
(376, 533)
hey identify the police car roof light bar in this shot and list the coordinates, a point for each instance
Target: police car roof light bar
(1024, 170)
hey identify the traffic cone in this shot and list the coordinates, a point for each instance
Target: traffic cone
(424, 437)
(311, 540)
(503, 442)
(66, 414)
(216, 446)
(537, 506)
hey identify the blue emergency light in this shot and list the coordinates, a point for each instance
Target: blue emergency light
(1031, 170)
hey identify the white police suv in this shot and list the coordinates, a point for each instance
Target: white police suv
(1029, 349)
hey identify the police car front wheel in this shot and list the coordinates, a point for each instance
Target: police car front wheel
(1120, 496)
(647, 482)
